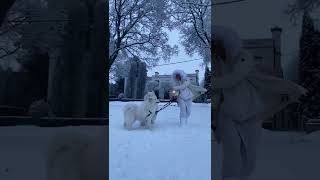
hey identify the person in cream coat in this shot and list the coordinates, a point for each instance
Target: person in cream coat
(187, 93)
(247, 98)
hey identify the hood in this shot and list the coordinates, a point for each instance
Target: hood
(182, 74)
(230, 40)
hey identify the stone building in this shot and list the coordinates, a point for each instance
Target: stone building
(267, 54)
(163, 83)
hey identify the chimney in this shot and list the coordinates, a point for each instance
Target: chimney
(197, 77)
(276, 36)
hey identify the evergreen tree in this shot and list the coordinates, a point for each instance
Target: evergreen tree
(136, 79)
(119, 85)
(309, 69)
(142, 78)
(207, 82)
(306, 44)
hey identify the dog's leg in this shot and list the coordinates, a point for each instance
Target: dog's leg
(125, 125)
(129, 122)
(149, 124)
(153, 119)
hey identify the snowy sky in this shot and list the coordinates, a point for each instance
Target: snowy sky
(253, 19)
(188, 67)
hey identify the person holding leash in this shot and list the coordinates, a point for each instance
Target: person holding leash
(184, 93)
(247, 98)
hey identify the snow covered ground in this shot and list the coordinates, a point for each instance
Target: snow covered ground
(169, 152)
(23, 149)
(288, 155)
(173, 153)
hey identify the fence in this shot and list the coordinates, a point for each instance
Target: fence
(312, 125)
(51, 121)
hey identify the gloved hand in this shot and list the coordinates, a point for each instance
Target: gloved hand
(173, 94)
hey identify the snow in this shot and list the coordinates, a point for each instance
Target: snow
(288, 155)
(168, 152)
(23, 149)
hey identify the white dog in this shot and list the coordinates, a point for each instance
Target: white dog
(145, 112)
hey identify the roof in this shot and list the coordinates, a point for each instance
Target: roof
(258, 43)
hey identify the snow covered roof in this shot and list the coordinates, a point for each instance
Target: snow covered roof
(257, 43)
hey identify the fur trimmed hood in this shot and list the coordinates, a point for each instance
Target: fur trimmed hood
(181, 73)
(230, 41)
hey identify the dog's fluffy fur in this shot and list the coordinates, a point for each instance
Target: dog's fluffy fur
(133, 112)
(76, 156)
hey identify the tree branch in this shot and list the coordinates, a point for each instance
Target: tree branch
(9, 53)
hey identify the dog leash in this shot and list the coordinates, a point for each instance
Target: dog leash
(163, 107)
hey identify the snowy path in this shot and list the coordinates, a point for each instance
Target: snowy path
(169, 152)
(173, 153)
(23, 150)
(288, 155)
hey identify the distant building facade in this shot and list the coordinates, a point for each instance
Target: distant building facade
(163, 83)
(267, 55)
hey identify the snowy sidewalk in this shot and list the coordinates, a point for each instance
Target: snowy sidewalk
(23, 150)
(169, 152)
(288, 155)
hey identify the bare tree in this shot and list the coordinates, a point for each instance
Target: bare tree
(19, 32)
(5, 6)
(194, 20)
(137, 28)
(10, 21)
(297, 8)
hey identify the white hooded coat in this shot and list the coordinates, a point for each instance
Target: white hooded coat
(188, 92)
(186, 89)
(249, 98)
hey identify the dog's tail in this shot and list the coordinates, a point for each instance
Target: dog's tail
(64, 156)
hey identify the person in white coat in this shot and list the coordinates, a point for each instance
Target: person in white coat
(247, 98)
(187, 93)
